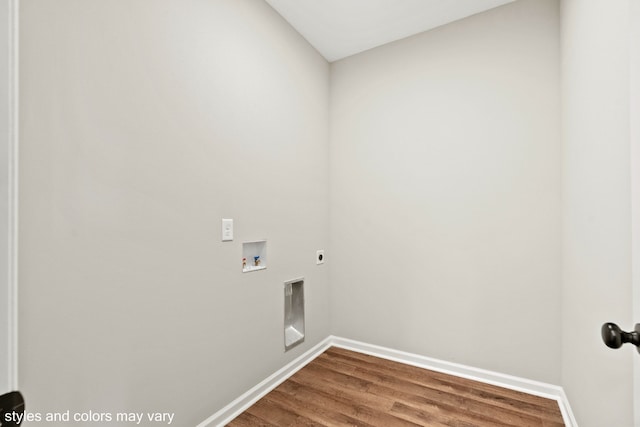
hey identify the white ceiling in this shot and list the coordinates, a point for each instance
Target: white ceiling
(340, 28)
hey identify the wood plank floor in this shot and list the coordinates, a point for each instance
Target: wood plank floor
(341, 387)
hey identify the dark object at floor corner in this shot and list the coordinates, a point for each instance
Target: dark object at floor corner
(11, 409)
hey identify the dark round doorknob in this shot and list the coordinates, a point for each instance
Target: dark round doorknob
(614, 337)
(11, 409)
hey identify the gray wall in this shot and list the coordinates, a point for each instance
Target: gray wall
(445, 196)
(464, 226)
(143, 123)
(596, 210)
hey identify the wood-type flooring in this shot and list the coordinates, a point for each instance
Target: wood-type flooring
(345, 388)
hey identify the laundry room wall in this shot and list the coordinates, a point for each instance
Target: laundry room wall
(445, 192)
(143, 123)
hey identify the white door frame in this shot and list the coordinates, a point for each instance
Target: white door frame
(8, 195)
(634, 136)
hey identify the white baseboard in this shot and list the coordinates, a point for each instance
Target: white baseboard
(535, 388)
(549, 391)
(242, 403)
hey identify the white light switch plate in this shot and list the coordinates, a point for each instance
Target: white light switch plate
(227, 230)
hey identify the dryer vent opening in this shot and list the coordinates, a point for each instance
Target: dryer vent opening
(293, 313)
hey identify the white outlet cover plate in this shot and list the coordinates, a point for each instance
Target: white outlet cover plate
(320, 257)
